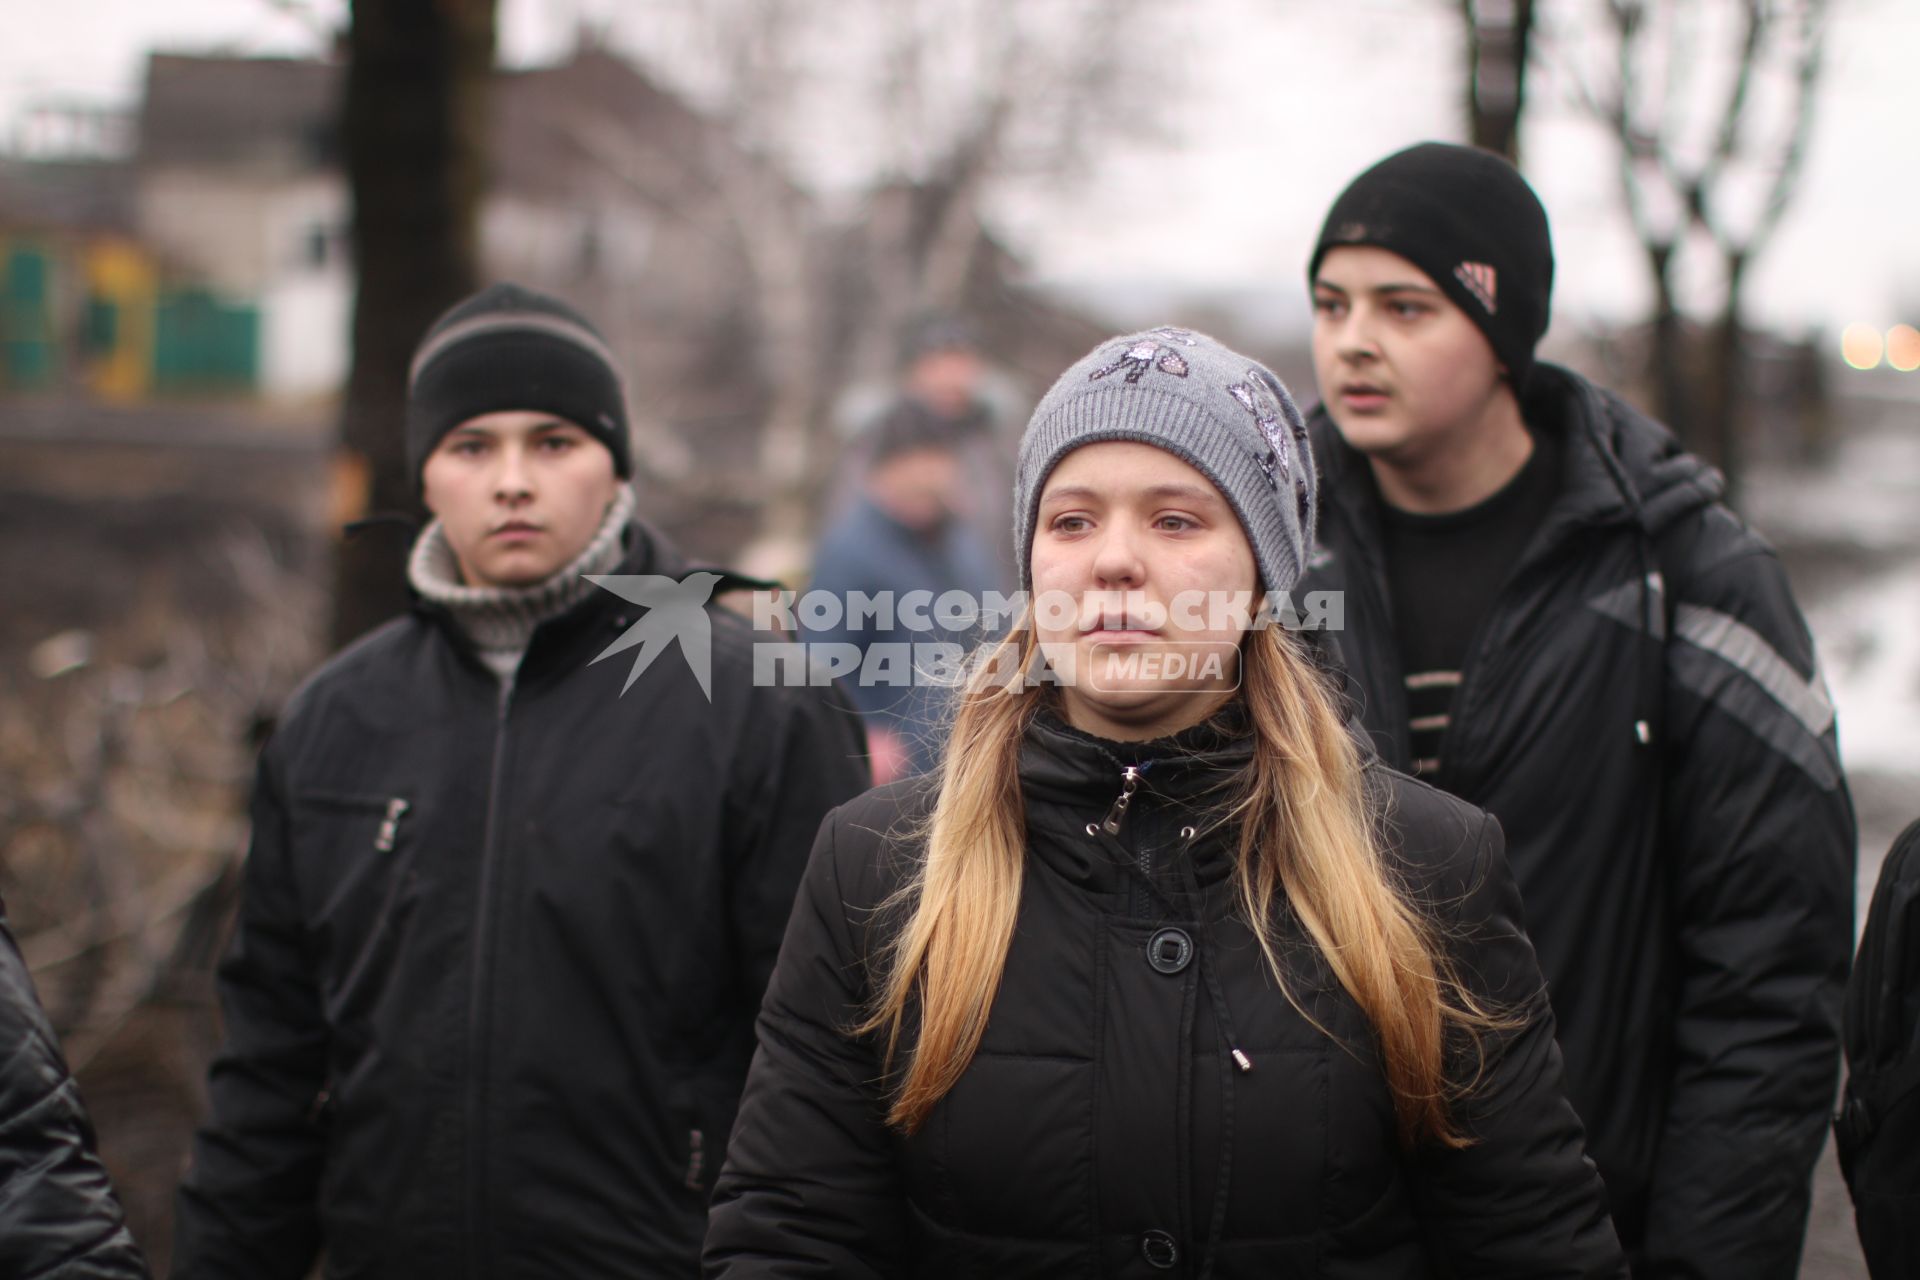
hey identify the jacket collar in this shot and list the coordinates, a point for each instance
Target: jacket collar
(501, 620)
(1070, 779)
(561, 643)
(1066, 765)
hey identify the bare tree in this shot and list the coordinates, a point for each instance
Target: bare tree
(903, 115)
(1707, 171)
(415, 121)
(979, 93)
(1499, 44)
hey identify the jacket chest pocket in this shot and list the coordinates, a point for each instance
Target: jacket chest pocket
(1006, 1151)
(1314, 1144)
(354, 857)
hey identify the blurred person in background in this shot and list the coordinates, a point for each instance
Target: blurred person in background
(1550, 613)
(506, 921)
(944, 388)
(1160, 973)
(944, 372)
(58, 1214)
(906, 531)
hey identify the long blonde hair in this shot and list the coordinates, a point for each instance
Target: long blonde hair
(1308, 832)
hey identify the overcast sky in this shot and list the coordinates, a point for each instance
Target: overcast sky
(1274, 107)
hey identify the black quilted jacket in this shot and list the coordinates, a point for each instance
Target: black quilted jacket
(1106, 1127)
(1642, 711)
(491, 998)
(59, 1219)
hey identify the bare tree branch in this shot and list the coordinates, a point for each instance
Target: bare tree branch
(941, 102)
(1707, 168)
(303, 13)
(1813, 37)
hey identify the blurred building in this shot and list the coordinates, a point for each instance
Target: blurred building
(216, 254)
(237, 180)
(201, 246)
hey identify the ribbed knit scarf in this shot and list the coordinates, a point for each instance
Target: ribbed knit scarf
(500, 620)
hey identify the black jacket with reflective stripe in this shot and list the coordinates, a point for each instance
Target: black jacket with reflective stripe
(1691, 896)
(1103, 1129)
(490, 1001)
(58, 1214)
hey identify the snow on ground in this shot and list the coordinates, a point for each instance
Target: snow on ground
(1869, 496)
(1869, 643)
(1861, 515)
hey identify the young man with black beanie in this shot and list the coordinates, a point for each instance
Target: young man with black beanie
(1550, 613)
(507, 921)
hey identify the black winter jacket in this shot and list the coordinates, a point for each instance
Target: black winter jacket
(490, 1002)
(1689, 884)
(59, 1219)
(1103, 1129)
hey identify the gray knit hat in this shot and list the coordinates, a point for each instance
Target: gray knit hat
(1221, 413)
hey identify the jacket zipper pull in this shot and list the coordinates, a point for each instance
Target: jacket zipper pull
(390, 825)
(1129, 782)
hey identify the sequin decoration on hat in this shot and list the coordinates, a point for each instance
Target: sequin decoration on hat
(1148, 353)
(1258, 400)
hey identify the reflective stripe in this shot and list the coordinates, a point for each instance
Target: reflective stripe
(1746, 650)
(1754, 709)
(1728, 663)
(1421, 724)
(511, 321)
(1433, 680)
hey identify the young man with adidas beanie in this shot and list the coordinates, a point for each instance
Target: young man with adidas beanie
(1550, 613)
(506, 920)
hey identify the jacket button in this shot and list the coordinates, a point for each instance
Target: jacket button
(1170, 950)
(1158, 1248)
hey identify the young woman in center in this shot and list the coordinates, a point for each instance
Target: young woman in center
(1159, 973)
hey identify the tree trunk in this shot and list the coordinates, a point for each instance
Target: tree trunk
(1499, 33)
(1724, 417)
(415, 128)
(1668, 357)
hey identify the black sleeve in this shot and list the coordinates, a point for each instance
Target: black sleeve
(814, 758)
(58, 1214)
(810, 1186)
(1760, 842)
(1523, 1199)
(248, 1208)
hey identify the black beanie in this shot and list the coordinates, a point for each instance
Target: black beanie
(1470, 221)
(508, 348)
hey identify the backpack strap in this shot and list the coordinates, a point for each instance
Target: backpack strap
(1663, 550)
